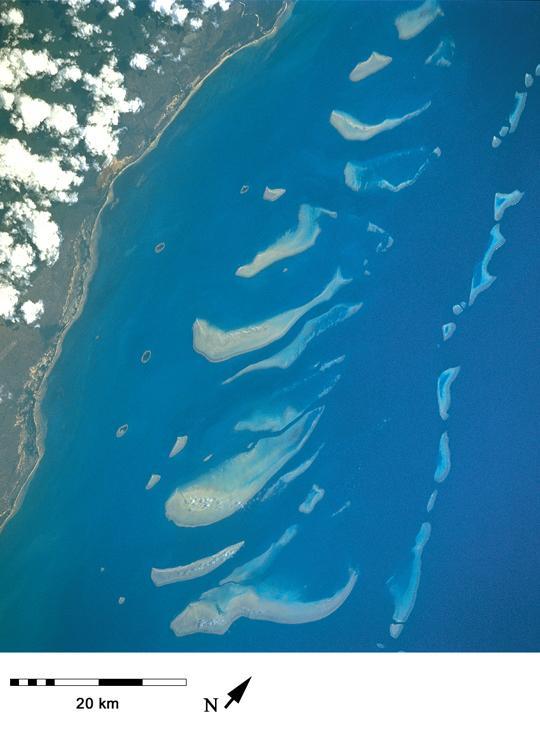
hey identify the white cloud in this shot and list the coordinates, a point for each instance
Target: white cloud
(31, 311)
(116, 12)
(140, 61)
(18, 262)
(4, 394)
(9, 297)
(223, 4)
(29, 113)
(68, 73)
(110, 101)
(196, 23)
(6, 99)
(84, 29)
(30, 181)
(62, 119)
(171, 9)
(17, 65)
(40, 228)
(12, 17)
(76, 4)
(41, 175)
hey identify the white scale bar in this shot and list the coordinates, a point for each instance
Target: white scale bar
(98, 682)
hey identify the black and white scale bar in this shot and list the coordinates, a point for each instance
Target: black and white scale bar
(98, 681)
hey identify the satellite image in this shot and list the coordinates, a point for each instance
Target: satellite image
(269, 336)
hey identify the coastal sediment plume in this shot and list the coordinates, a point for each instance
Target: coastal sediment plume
(503, 201)
(404, 586)
(179, 445)
(220, 607)
(354, 130)
(220, 345)
(444, 387)
(271, 195)
(482, 279)
(259, 565)
(314, 496)
(314, 327)
(517, 112)
(166, 576)
(412, 22)
(290, 243)
(228, 487)
(394, 171)
(283, 481)
(443, 459)
(154, 479)
(261, 421)
(373, 64)
(448, 329)
(443, 54)
(286, 405)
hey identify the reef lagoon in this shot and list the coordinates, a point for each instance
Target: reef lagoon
(257, 413)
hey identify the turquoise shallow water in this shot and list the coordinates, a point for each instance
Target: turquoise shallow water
(263, 119)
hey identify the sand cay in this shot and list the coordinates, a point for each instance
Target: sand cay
(259, 565)
(431, 501)
(229, 487)
(220, 345)
(517, 112)
(448, 329)
(354, 130)
(165, 576)
(314, 327)
(482, 279)
(386, 241)
(271, 195)
(412, 22)
(154, 479)
(443, 54)
(312, 499)
(290, 243)
(373, 64)
(219, 608)
(179, 445)
(341, 509)
(404, 587)
(443, 459)
(444, 386)
(503, 201)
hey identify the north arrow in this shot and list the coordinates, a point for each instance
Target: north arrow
(237, 693)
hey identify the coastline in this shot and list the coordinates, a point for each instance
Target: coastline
(30, 417)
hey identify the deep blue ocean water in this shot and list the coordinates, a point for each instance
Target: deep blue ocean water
(262, 119)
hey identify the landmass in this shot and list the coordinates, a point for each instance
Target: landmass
(27, 352)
